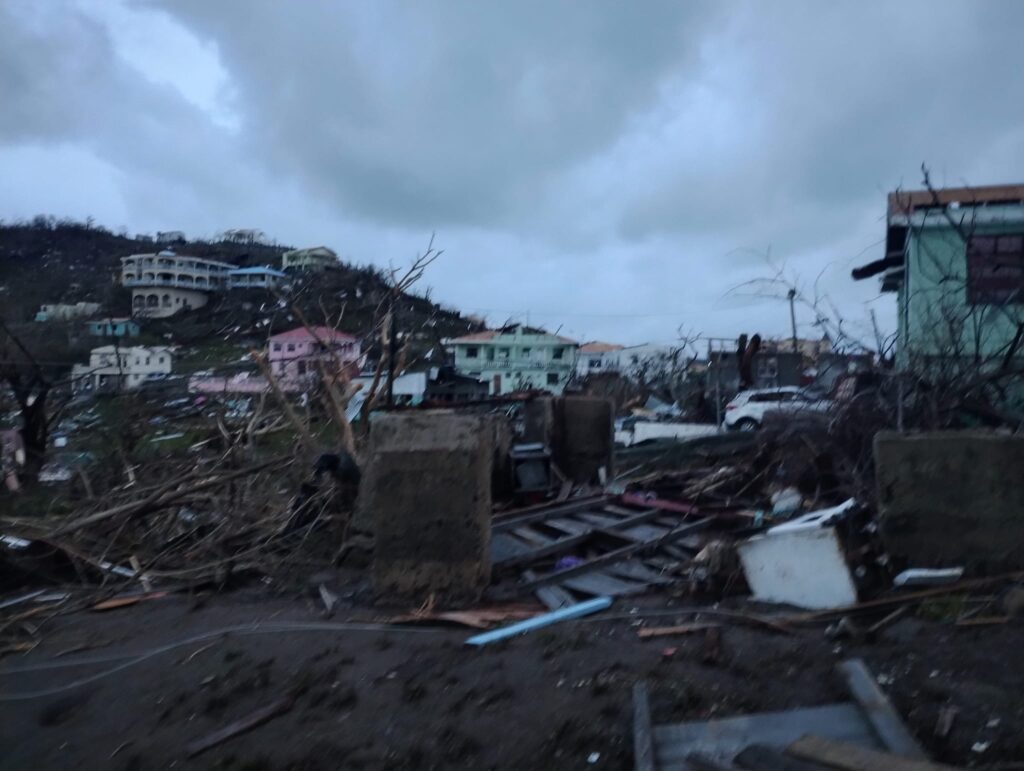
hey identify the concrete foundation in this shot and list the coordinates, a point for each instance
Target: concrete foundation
(952, 498)
(427, 488)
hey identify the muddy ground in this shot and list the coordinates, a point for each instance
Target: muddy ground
(419, 699)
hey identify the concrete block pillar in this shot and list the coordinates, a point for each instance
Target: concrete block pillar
(584, 437)
(951, 498)
(428, 491)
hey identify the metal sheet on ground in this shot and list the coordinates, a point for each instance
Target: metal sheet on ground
(725, 738)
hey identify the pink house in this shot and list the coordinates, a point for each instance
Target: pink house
(294, 354)
(293, 358)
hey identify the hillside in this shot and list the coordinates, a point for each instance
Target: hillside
(48, 261)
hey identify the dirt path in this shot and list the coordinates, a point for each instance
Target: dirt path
(371, 699)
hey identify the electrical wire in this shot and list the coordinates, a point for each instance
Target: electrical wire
(133, 659)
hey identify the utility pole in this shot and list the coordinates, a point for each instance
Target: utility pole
(792, 316)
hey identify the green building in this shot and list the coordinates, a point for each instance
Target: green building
(515, 358)
(955, 260)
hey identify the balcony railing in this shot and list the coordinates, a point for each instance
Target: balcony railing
(172, 282)
(523, 364)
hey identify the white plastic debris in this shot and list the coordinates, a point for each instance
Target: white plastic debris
(800, 562)
(928, 577)
(593, 757)
(980, 747)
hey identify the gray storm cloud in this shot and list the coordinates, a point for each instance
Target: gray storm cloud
(610, 168)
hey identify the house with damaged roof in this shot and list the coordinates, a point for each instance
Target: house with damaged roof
(954, 258)
(515, 358)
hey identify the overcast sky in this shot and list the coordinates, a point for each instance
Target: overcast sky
(611, 169)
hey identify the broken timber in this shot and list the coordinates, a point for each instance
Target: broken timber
(618, 555)
(613, 546)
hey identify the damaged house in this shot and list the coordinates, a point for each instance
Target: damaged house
(516, 358)
(954, 259)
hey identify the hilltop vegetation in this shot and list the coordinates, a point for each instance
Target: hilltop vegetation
(63, 261)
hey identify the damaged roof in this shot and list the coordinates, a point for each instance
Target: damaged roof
(599, 347)
(302, 334)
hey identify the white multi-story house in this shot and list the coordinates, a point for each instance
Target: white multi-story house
(515, 358)
(596, 358)
(164, 283)
(639, 362)
(116, 368)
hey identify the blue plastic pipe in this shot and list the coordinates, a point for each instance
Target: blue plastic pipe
(562, 614)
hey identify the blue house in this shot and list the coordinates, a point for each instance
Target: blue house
(113, 328)
(256, 278)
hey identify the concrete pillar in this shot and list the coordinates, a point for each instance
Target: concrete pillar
(539, 420)
(427, 488)
(584, 437)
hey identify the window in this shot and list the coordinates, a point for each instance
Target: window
(557, 354)
(552, 378)
(472, 352)
(302, 368)
(277, 346)
(291, 347)
(503, 353)
(594, 364)
(160, 360)
(527, 352)
(768, 397)
(995, 269)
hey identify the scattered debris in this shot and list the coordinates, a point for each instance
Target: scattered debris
(240, 726)
(869, 721)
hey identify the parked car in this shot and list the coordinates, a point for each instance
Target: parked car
(746, 412)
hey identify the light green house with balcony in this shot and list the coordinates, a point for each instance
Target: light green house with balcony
(955, 259)
(515, 358)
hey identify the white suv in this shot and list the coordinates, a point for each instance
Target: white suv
(746, 412)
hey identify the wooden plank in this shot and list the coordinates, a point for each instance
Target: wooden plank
(553, 597)
(759, 757)
(638, 571)
(532, 537)
(725, 737)
(618, 555)
(584, 532)
(513, 519)
(878, 710)
(663, 631)
(600, 584)
(569, 525)
(600, 520)
(611, 508)
(644, 532)
(701, 762)
(504, 545)
(561, 546)
(634, 499)
(247, 723)
(643, 738)
(850, 757)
